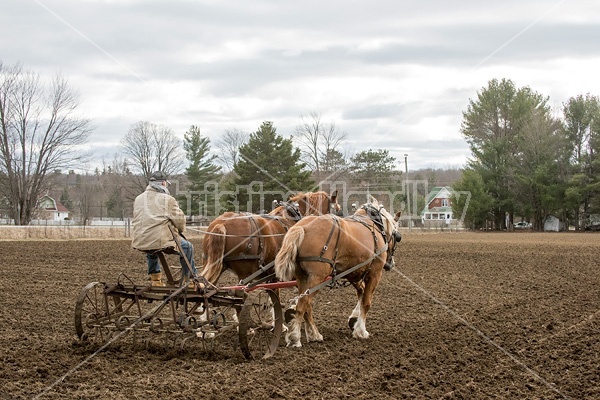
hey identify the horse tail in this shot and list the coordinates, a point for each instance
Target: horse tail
(214, 249)
(285, 262)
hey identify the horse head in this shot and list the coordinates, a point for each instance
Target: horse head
(316, 203)
(390, 227)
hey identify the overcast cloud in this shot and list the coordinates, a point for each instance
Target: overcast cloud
(391, 74)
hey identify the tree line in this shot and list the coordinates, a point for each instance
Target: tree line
(40, 134)
(527, 163)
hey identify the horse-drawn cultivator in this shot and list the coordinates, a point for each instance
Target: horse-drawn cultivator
(320, 249)
(181, 313)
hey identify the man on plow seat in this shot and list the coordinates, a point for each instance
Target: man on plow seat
(155, 213)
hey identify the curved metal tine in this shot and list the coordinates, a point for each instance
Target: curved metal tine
(125, 277)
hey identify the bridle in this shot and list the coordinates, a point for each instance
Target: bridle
(377, 218)
(292, 210)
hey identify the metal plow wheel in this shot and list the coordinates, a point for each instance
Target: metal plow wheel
(95, 315)
(261, 323)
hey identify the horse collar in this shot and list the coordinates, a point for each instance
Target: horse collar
(376, 217)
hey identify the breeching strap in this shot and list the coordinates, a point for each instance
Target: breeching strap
(326, 246)
(343, 274)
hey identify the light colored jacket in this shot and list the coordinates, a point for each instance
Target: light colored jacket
(153, 211)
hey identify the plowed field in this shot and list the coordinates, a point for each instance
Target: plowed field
(463, 316)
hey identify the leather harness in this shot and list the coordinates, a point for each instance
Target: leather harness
(291, 210)
(375, 217)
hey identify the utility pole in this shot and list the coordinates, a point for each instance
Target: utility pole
(407, 191)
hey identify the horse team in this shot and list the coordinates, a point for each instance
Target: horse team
(305, 239)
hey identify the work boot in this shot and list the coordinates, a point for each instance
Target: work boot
(155, 279)
(190, 283)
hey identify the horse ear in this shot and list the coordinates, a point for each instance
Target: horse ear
(333, 196)
(373, 200)
(397, 216)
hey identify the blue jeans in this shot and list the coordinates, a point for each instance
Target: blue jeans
(188, 250)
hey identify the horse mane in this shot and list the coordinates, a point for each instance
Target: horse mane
(276, 211)
(388, 220)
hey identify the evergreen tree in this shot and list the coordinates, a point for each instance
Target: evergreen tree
(582, 135)
(493, 126)
(373, 172)
(65, 199)
(333, 165)
(115, 205)
(374, 168)
(539, 187)
(269, 169)
(476, 208)
(201, 170)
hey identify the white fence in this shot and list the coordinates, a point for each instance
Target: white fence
(49, 222)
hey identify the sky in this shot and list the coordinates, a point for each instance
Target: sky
(391, 74)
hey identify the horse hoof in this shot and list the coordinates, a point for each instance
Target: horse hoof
(289, 315)
(352, 322)
(360, 335)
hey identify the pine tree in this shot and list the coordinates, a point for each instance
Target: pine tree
(270, 168)
(493, 126)
(201, 170)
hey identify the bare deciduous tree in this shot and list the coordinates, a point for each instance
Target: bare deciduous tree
(150, 148)
(318, 141)
(229, 145)
(39, 133)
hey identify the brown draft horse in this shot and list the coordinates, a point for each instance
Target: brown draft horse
(244, 242)
(356, 248)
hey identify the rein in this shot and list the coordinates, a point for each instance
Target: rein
(226, 235)
(335, 278)
(292, 211)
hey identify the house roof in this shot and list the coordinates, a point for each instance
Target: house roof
(60, 207)
(433, 194)
(56, 205)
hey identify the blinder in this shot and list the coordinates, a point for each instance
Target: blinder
(292, 210)
(397, 237)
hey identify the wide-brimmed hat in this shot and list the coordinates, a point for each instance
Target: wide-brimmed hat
(159, 176)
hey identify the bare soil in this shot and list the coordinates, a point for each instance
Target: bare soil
(463, 316)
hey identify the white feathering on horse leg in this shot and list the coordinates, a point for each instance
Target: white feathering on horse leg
(360, 330)
(292, 338)
(312, 334)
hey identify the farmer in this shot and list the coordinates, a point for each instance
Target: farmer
(153, 212)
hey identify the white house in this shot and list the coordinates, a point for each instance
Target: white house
(438, 210)
(52, 210)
